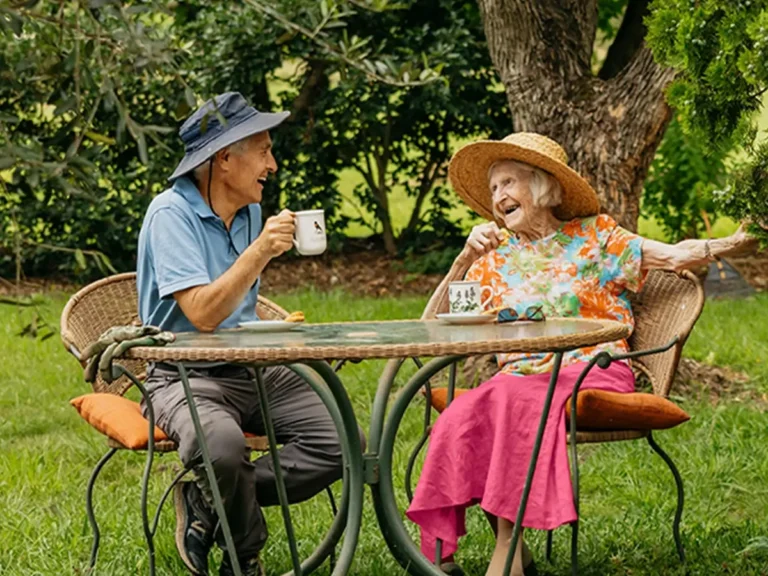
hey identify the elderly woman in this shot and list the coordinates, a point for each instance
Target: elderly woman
(544, 247)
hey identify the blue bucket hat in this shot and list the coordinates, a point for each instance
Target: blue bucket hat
(241, 121)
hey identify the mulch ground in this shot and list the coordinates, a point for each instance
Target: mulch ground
(364, 273)
(376, 274)
(370, 273)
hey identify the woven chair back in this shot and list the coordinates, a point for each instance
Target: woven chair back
(113, 301)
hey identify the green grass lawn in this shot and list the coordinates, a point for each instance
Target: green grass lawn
(47, 453)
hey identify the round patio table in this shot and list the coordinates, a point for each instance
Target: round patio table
(306, 350)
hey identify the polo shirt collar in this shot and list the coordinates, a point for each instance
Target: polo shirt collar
(186, 188)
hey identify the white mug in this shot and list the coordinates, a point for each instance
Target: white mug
(309, 237)
(466, 297)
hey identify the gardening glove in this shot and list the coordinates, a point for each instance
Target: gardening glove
(114, 343)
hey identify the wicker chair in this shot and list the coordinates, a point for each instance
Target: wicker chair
(99, 306)
(665, 312)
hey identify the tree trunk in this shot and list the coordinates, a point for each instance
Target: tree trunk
(380, 192)
(542, 50)
(388, 234)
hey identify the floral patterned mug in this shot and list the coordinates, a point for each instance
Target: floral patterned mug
(466, 297)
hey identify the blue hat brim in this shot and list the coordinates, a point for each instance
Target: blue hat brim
(261, 122)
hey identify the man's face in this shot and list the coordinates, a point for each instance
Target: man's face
(248, 165)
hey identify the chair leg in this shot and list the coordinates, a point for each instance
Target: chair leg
(89, 505)
(549, 545)
(335, 510)
(680, 495)
(165, 495)
(575, 547)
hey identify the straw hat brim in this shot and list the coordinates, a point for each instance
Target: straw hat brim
(468, 173)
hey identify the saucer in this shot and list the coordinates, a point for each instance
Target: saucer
(270, 326)
(464, 318)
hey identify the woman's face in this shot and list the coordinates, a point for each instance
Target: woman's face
(511, 195)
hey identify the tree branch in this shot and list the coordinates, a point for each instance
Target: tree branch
(628, 39)
(639, 87)
(260, 95)
(368, 176)
(428, 177)
(382, 159)
(315, 81)
(328, 47)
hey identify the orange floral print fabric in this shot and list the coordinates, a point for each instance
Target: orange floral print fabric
(584, 270)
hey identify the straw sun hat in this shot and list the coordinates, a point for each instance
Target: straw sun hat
(469, 167)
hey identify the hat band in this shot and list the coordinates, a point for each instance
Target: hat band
(218, 130)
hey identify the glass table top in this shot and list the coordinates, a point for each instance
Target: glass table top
(387, 339)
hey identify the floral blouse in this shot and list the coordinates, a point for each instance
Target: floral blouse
(583, 270)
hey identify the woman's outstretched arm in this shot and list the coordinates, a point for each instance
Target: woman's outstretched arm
(690, 253)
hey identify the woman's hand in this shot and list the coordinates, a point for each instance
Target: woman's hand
(483, 239)
(742, 238)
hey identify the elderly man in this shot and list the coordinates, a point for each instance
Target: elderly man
(202, 249)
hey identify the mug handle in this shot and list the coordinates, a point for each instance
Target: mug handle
(487, 301)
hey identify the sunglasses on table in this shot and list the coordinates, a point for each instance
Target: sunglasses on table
(532, 313)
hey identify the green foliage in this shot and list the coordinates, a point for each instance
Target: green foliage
(608, 12)
(84, 106)
(329, 26)
(396, 137)
(436, 261)
(746, 196)
(680, 183)
(89, 98)
(719, 50)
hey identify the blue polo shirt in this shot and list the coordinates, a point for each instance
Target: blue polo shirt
(182, 244)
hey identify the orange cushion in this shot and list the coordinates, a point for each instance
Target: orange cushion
(603, 410)
(440, 396)
(118, 418)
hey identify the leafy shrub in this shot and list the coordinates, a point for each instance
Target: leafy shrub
(746, 196)
(680, 183)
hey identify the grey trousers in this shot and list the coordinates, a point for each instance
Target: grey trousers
(228, 404)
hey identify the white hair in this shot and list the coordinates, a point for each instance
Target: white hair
(236, 148)
(545, 188)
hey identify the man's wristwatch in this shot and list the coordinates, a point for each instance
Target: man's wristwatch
(708, 252)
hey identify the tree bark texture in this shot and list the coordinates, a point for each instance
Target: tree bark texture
(610, 128)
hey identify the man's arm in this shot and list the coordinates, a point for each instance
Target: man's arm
(690, 253)
(209, 305)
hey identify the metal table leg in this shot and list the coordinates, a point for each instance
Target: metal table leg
(532, 464)
(389, 517)
(282, 493)
(355, 466)
(352, 501)
(326, 548)
(398, 539)
(214, 485)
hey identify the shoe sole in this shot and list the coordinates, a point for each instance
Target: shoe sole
(181, 525)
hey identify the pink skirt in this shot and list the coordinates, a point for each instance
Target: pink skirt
(480, 448)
